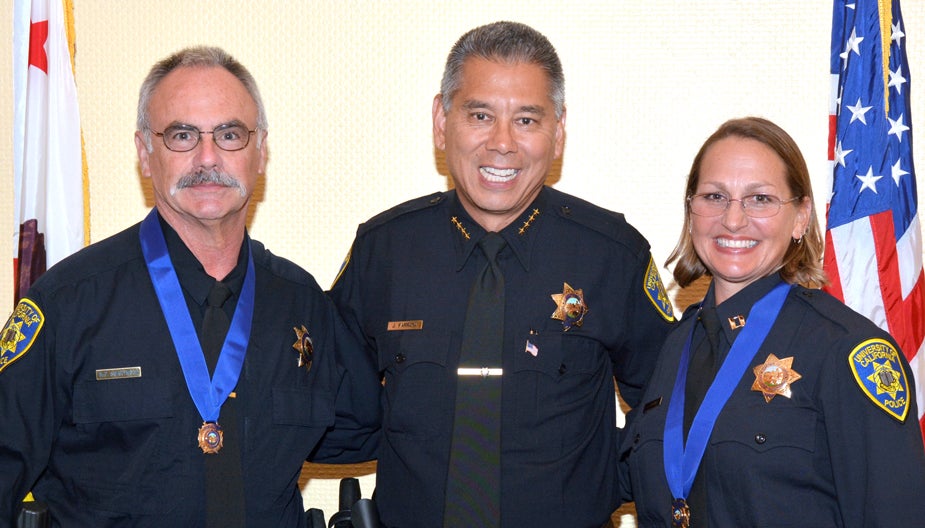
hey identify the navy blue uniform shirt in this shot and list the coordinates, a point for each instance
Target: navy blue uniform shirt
(121, 450)
(413, 267)
(827, 456)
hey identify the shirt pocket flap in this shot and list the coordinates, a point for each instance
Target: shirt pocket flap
(764, 429)
(402, 350)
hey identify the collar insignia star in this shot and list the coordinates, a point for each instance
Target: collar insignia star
(528, 221)
(570, 307)
(460, 227)
(303, 343)
(774, 377)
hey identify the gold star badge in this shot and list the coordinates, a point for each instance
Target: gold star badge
(886, 379)
(774, 377)
(570, 307)
(303, 343)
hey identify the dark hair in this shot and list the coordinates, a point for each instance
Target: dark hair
(802, 261)
(509, 42)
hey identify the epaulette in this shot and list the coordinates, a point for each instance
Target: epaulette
(611, 224)
(410, 206)
(826, 306)
(280, 266)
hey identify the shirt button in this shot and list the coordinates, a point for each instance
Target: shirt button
(399, 358)
(562, 368)
(760, 438)
(636, 439)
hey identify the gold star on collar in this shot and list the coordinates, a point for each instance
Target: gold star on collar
(774, 377)
(533, 215)
(459, 226)
(570, 306)
(303, 343)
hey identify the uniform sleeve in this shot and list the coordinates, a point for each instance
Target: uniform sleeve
(355, 434)
(878, 461)
(649, 318)
(28, 411)
(346, 294)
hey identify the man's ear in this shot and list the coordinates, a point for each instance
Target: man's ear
(439, 123)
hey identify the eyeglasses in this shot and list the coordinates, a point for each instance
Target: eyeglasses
(184, 138)
(754, 205)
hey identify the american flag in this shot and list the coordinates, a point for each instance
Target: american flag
(873, 250)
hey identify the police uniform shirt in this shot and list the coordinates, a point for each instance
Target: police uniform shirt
(404, 290)
(97, 419)
(825, 456)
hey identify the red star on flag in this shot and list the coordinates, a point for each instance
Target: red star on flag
(38, 34)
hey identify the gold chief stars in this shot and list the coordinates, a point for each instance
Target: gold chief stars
(774, 377)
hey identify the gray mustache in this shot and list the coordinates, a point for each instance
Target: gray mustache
(212, 176)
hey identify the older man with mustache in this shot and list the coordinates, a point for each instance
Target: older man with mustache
(178, 373)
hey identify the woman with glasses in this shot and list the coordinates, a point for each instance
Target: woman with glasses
(773, 404)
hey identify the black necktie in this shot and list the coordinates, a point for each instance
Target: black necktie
(214, 324)
(473, 496)
(224, 484)
(702, 370)
(702, 367)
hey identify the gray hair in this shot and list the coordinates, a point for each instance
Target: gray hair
(200, 56)
(509, 42)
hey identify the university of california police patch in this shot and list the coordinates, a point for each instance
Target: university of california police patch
(879, 372)
(20, 332)
(656, 292)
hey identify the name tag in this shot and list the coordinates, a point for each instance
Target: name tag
(118, 373)
(481, 371)
(405, 325)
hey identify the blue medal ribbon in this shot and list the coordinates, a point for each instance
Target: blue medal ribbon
(208, 394)
(681, 461)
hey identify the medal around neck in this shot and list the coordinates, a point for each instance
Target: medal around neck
(208, 393)
(210, 437)
(680, 514)
(682, 458)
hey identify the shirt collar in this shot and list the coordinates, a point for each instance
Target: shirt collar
(192, 276)
(519, 234)
(733, 312)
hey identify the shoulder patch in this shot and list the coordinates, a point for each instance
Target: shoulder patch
(20, 332)
(656, 292)
(879, 372)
